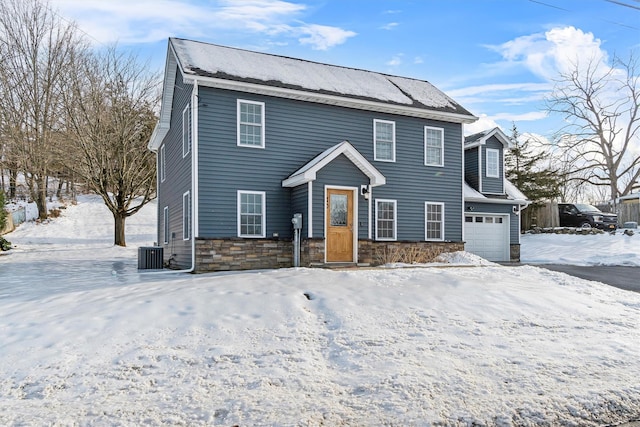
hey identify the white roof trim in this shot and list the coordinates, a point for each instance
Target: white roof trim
(320, 98)
(504, 139)
(168, 87)
(308, 172)
(514, 196)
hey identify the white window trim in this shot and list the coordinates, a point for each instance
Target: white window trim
(490, 152)
(395, 220)
(375, 140)
(186, 216)
(163, 164)
(264, 214)
(441, 164)
(186, 129)
(262, 123)
(426, 204)
(165, 225)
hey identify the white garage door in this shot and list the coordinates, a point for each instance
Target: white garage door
(487, 236)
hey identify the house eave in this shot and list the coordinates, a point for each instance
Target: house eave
(489, 200)
(321, 98)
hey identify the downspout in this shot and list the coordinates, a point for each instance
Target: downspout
(462, 170)
(369, 231)
(194, 186)
(194, 174)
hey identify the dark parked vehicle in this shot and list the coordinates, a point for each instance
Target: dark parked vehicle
(586, 216)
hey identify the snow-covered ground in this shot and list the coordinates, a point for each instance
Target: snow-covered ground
(87, 340)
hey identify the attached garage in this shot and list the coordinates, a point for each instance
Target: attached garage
(487, 235)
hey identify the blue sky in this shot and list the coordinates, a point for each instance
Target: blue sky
(498, 58)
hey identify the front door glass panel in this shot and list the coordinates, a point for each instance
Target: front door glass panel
(338, 210)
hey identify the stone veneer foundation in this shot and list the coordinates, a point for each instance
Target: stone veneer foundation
(248, 254)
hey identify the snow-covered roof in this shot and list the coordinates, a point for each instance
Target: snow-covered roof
(257, 72)
(481, 138)
(514, 195)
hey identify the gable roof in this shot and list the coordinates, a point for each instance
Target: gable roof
(481, 138)
(513, 195)
(273, 75)
(308, 171)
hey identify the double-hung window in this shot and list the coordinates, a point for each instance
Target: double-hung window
(162, 164)
(433, 146)
(384, 140)
(165, 220)
(251, 213)
(386, 219)
(493, 165)
(186, 131)
(186, 216)
(433, 221)
(250, 124)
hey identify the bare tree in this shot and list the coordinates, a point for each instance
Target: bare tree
(110, 116)
(36, 51)
(602, 108)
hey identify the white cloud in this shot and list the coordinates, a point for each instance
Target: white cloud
(418, 60)
(483, 123)
(555, 51)
(389, 26)
(145, 21)
(322, 37)
(395, 61)
(500, 88)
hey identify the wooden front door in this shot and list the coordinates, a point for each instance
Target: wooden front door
(339, 220)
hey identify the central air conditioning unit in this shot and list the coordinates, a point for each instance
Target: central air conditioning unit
(150, 258)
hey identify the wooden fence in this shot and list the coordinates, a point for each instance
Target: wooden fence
(540, 216)
(628, 212)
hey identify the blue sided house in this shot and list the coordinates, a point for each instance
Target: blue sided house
(255, 149)
(492, 203)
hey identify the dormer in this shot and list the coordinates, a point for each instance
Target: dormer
(484, 161)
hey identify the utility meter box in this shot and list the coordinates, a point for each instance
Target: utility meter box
(297, 221)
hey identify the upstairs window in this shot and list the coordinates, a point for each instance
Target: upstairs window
(162, 164)
(165, 220)
(384, 140)
(493, 159)
(186, 132)
(433, 146)
(250, 124)
(186, 216)
(434, 221)
(385, 219)
(251, 213)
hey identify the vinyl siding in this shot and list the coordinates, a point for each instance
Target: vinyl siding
(299, 204)
(471, 164)
(177, 181)
(493, 185)
(296, 132)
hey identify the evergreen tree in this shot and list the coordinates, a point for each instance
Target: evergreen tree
(523, 168)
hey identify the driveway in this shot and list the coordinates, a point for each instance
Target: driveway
(623, 277)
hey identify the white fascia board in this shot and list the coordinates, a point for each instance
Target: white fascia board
(488, 200)
(321, 98)
(168, 88)
(375, 177)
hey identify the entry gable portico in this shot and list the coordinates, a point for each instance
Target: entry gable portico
(335, 180)
(308, 172)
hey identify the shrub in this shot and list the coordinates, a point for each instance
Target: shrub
(3, 213)
(5, 245)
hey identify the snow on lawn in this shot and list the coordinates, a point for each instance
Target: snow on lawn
(575, 249)
(93, 344)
